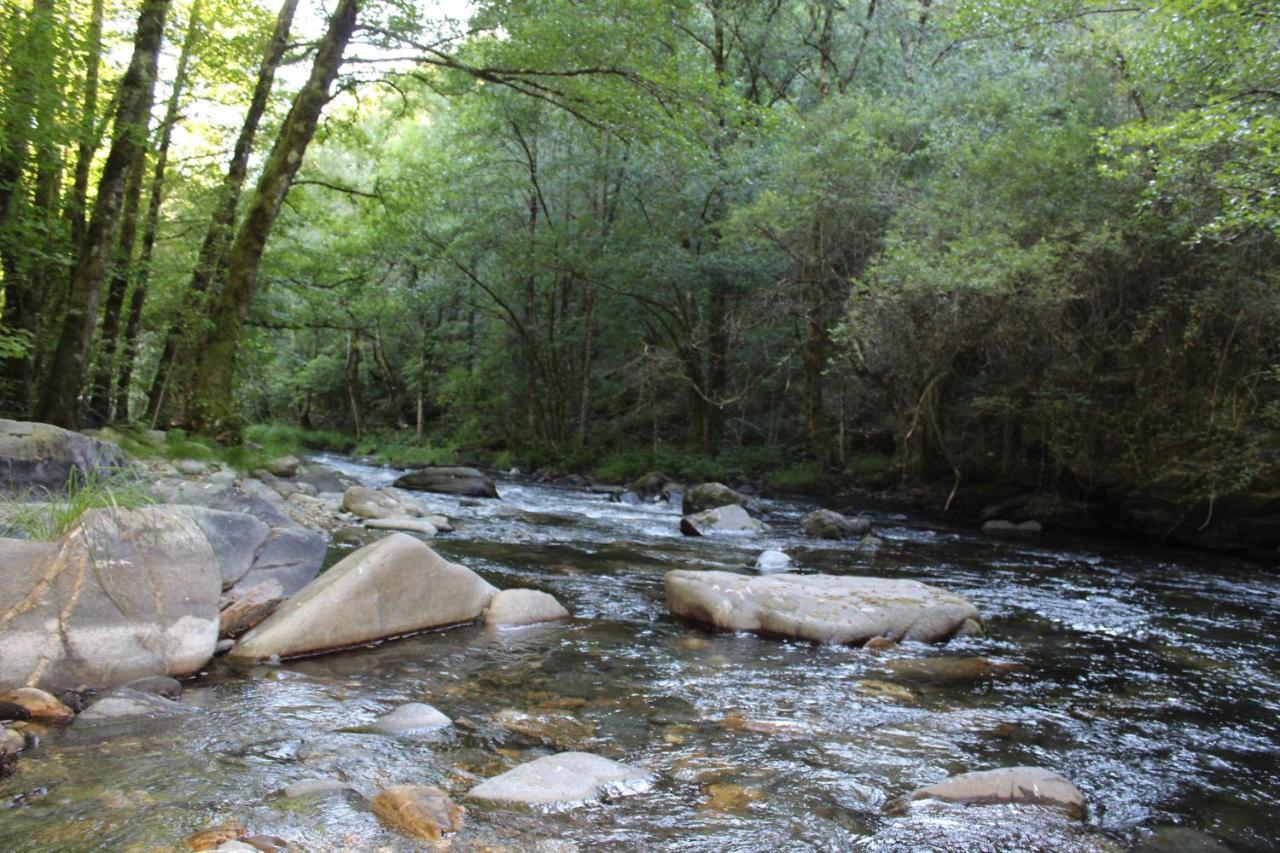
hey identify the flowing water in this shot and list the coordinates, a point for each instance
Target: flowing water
(1148, 677)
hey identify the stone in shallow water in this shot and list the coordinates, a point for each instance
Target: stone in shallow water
(824, 608)
(564, 777)
(773, 561)
(512, 608)
(395, 586)
(1019, 785)
(315, 787)
(419, 811)
(449, 481)
(729, 797)
(124, 702)
(414, 716)
(557, 728)
(38, 704)
(414, 525)
(952, 670)
(214, 837)
(731, 519)
(829, 524)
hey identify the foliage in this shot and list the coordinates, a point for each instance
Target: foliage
(48, 515)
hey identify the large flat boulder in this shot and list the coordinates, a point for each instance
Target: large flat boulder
(467, 482)
(126, 593)
(42, 456)
(563, 778)
(395, 586)
(823, 608)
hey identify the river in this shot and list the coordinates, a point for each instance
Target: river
(1147, 676)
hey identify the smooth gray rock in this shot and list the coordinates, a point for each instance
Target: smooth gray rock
(234, 536)
(512, 608)
(283, 466)
(709, 496)
(125, 703)
(449, 481)
(563, 778)
(36, 456)
(291, 556)
(322, 479)
(823, 608)
(731, 519)
(191, 467)
(126, 593)
(828, 524)
(1019, 785)
(773, 561)
(394, 586)
(411, 717)
(315, 787)
(160, 685)
(999, 526)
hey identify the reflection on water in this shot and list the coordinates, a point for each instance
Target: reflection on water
(1148, 677)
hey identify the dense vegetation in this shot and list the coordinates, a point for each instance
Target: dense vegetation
(941, 243)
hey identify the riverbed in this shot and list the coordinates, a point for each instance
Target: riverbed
(1146, 676)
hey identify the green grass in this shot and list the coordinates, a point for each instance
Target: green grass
(43, 514)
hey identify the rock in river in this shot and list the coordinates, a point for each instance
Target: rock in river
(38, 704)
(512, 608)
(124, 702)
(827, 524)
(709, 496)
(449, 481)
(726, 519)
(563, 777)
(419, 811)
(1020, 785)
(410, 717)
(124, 594)
(369, 503)
(773, 561)
(40, 456)
(395, 586)
(825, 608)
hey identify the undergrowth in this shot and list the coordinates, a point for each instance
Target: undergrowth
(44, 514)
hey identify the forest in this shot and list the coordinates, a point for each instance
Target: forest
(963, 248)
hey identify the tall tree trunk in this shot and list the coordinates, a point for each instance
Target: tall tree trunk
(211, 262)
(153, 215)
(88, 144)
(121, 271)
(60, 397)
(215, 373)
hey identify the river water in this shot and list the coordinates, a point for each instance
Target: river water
(1148, 677)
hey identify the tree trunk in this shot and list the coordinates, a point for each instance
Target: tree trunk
(211, 262)
(153, 215)
(88, 142)
(60, 397)
(215, 373)
(121, 272)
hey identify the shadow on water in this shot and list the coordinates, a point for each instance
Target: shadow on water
(1146, 676)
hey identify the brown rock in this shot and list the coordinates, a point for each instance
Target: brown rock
(879, 644)
(556, 728)
(951, 670)
(419, 811)
(258, 602)
(210, 839)
(729, 797)
(1020, 785)
(39, 704)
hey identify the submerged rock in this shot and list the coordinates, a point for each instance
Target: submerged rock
(124, 702)
(512, 608)
(711, 495)
(951, 670)
(125, 593)
(419, 811)
(1019, 785)
(555, 728)
(998, 526)
(773, 561)
(160, 685)
(825, 608)
(449, 481)
(395, 586)
(41, 456)
(828, 524)
(726, 519)
(564, 777)
(315, 788)
(215, 837)
(410, 717)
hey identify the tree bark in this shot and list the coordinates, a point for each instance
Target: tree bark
(88, 143)
(152, 224)
(215, 374)
(60, 398)
(211, 262)
(121, 271)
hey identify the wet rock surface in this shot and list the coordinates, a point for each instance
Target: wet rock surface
(732, 520)
(567, 777)
(418, 811)
(449, 481)
(824, 608)
(1032, 786)
(514, 608)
